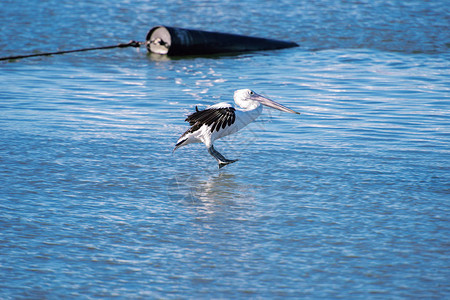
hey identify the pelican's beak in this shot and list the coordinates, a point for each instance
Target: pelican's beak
(270, 103)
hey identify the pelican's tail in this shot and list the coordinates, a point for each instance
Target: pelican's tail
(181, 142)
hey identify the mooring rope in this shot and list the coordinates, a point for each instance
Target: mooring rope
(122, 45)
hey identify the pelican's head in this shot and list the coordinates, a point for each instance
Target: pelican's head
(248, 99)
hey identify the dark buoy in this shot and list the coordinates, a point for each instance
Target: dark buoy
(180, 41)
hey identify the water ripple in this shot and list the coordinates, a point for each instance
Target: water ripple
(349, 199)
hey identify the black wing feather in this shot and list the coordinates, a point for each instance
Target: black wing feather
(217, 117)
(225, 121)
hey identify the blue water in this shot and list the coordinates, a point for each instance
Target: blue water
(348, 200)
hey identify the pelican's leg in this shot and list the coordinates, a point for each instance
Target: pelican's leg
(219, 157)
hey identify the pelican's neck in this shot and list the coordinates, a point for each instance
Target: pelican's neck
(252, 111)
(248, 105)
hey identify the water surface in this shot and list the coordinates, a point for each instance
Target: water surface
(349, 199)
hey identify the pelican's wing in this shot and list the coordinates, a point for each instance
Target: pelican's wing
(217, 116)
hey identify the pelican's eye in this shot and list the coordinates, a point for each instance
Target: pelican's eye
(251, 93)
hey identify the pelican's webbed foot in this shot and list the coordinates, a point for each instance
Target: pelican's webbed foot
(220, 158)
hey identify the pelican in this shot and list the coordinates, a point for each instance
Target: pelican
(222, 119)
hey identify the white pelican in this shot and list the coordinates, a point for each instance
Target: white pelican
(222, 119)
